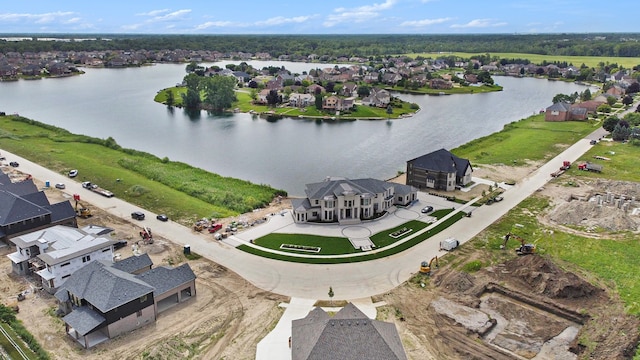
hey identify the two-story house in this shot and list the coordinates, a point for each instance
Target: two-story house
(103, 300)
(439, 170)
(349, 201)
(54, 253)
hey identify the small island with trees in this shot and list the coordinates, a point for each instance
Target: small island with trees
(357, 91)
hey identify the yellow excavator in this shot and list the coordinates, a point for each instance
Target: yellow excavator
(523, 249)
(425, 267)
(81, 210)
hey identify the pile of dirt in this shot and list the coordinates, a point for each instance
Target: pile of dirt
(626, 188)
(454, 281)
(589, 214)
(543, 277)
(593, 215)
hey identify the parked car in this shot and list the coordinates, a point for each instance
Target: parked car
(593, 142)
(120, 244)
(426, 209)
(162, 217)
(73, 173)
(60, 186)
(497, 198)
(137, 215)
(14, 164)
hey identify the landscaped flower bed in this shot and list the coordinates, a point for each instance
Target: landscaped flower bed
(398, 233)
(313, 249)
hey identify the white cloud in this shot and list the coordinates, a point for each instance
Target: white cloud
(279, 20)
(176, 15)
(359, 14)
(154, 12)
(74, 20)
(424, 22)
(214, 24)
(479, 23)
(44, 18)
(157, 16)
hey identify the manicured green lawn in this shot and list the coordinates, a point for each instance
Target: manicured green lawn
(528, 139)
(182, 192)
(328, 245)
(395, 250)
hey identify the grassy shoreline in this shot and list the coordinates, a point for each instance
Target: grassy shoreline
(183, 192)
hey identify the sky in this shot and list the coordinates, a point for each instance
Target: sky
(318, 17)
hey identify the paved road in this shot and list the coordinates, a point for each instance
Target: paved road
(307, 281)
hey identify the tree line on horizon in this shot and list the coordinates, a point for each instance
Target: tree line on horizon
(615, 45)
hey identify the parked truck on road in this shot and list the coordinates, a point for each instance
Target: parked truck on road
(96, 189)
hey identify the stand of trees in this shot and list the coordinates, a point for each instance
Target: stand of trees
(369, 46)
(218, 92)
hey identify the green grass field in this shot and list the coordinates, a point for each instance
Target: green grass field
(177, 189)
(528, 139)
(300, 240)
(590, 61)
(623, 165)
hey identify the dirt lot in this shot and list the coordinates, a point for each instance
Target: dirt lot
(527, 307)
(226, 319)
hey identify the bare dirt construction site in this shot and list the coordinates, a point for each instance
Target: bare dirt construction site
(225, 320)
(527, 307)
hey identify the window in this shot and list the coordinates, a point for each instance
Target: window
(66, 276)
(65, 264)
(107, 249)
(143, 298)
(86, 258)
(139, 313)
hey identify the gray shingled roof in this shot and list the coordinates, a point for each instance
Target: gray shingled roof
(105, 287)
(300, 204)
(61, 211)
(559, 106)
(14, 208)
(441, 161)
(338, 186)
(83, 320)
(133, 263)
(18, 188)
(348, 335)
(164, 279)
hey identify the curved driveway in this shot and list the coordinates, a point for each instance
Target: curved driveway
(349, 281)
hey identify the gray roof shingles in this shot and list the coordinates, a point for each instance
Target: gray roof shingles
(348, 335)
(441, 161)
(133, 263)
(163, 279)
(83, 320)
(105, 287)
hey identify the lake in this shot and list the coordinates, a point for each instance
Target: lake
(285, 154)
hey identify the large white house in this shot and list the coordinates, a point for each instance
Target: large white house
(53, 254)
(350, 201)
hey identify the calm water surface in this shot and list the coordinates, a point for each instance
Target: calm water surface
(287, 153)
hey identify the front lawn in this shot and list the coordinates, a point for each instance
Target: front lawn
(328, 260)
